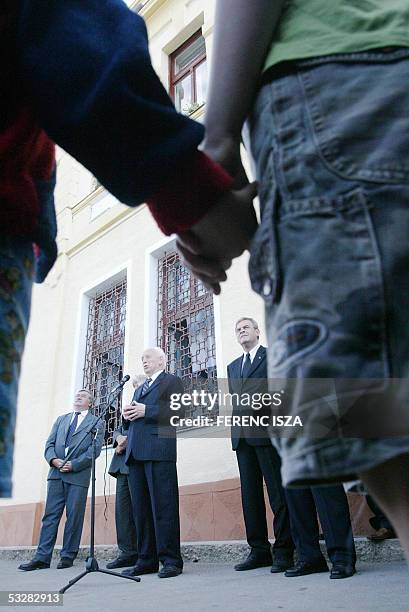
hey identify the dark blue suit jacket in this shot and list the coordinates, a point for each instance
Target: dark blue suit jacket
(255, 383)
(152, 438)
(118, 465)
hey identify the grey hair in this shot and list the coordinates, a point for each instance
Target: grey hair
(252, 321)
(138, 379)
(91, 399)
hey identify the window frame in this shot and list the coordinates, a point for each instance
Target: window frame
(189, 69)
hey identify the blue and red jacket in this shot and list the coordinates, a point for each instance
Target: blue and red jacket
(78, 73)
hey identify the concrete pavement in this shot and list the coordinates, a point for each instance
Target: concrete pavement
(205, 587)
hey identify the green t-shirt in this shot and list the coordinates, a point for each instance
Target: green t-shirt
(312, 28)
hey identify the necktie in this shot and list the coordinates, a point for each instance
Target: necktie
(71, 429)
(246, 367)
(145, 385)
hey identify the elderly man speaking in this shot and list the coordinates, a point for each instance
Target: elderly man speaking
(151, 456)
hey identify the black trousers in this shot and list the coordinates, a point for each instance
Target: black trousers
(379, 519)
(155, 502)
(256, 463)
(332, 506)
(124, 520)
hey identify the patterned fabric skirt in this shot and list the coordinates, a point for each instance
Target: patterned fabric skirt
(16, 279)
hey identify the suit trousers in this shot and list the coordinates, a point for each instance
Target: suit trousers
(256, 463)
(124, 520)
(61, 494)
(379, 519)
(155, 502)
(332, 506)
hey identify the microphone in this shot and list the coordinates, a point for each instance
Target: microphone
(121, 384)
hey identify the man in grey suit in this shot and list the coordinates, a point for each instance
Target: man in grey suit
(68, 486)
(124, 521)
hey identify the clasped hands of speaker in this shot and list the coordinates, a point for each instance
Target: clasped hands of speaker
(133, 411)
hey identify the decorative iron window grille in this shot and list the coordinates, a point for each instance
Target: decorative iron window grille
(186, 329)
(104, 357)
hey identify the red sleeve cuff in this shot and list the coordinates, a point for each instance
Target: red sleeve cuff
(185, 198)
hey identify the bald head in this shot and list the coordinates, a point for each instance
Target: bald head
(153, 360)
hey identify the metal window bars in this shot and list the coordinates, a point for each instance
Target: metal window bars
(186, 329)
(104, 356)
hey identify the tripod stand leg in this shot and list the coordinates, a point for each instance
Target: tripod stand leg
(134, 578)
(73, 581)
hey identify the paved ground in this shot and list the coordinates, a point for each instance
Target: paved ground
(206, 587)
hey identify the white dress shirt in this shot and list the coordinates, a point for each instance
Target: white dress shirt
(155, 376)
(81, 417)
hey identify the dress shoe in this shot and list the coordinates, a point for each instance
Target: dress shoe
(340, 570)
(33, 565)
(253, 562)
(121, 562)
(138, 570)
(169, 571)
(281, 565)
(303, 568)
(65, 562)
(382, 534)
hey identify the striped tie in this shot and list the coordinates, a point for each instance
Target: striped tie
(145, 386)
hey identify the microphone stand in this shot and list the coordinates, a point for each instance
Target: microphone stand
(91, 564)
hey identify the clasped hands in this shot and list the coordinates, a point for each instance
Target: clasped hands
(57, 463)
(133, 411)
(226, 230)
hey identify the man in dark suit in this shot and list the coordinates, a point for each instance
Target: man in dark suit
(68, 486)
(124, 520)
(332, 506)
(380, 522)
(151, 457)
(257, 458)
